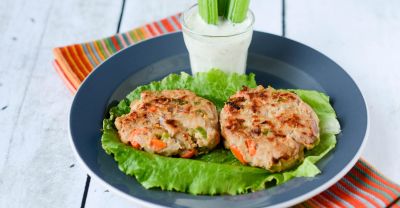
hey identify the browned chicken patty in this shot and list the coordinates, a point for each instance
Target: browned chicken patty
(268, 128)
(170, 122)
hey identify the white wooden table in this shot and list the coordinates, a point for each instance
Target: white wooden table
(37, 167)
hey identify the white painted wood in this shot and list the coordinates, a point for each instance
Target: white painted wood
(267, 12)
(362, 37)
(99, 197)
(137, 13)
(35, 154)
(15, 70)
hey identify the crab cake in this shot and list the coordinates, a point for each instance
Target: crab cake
(170, 122)
(268, 128)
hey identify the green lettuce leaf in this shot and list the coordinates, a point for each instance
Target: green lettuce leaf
(217, 172)
(214, 85)
(184, 175)
(320, 104)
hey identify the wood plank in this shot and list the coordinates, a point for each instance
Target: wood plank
(137, 13)
(16, 64)
(99, 196)
(362, 37)
(268, 14)
(37, 167)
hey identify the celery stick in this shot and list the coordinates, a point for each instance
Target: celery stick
(237, 10)
(222, 7)
(208, 10)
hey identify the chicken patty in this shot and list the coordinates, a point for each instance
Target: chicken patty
(170, 122)
(268, 128)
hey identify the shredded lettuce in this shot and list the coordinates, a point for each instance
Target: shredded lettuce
(217, 172)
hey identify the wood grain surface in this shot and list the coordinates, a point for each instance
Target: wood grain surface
(37, 165)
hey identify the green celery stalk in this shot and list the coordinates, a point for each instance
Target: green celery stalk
(237, 10)
(222, 7)
(208, 10)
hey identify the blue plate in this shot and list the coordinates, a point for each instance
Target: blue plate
(276, 61)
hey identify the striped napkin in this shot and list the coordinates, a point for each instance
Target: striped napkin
(363, 186)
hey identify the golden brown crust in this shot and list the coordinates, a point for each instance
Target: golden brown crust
(269, 127)
(170, 122)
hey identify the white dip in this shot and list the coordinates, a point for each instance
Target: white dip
(222, 46)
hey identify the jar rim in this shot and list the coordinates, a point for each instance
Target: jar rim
(185, 27)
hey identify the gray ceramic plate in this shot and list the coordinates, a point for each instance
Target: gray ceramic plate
(276, 61)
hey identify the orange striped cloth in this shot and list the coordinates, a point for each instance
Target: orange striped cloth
(73, 63)
(363, 186)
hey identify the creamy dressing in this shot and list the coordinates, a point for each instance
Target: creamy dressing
(222, 46)
(224, 28)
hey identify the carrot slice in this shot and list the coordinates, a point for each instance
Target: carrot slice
(152, 109)
(157, 144)
(135, 145)
(138, 131)
(135, 132)
(238, 154)
(251, 146)
(188, 153)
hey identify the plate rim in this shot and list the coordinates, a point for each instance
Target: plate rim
(290, 202)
